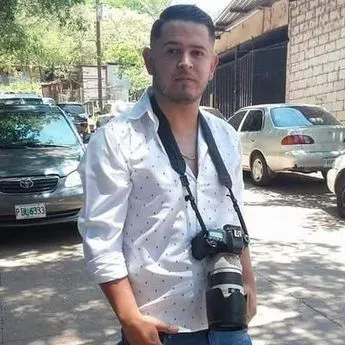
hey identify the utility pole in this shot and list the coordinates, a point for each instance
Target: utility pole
(99, 54)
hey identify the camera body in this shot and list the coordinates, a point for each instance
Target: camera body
(228, 239)
(225, 299)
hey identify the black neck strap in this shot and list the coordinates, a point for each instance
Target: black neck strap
(179, 165)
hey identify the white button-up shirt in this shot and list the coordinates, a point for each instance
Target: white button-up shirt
(136, 222)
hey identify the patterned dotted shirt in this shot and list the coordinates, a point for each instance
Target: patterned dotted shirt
(136, 222)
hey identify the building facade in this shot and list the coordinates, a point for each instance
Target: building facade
(252, 50)
(315, 38)
(316, 54)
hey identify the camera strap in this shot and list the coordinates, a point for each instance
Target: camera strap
(179, 165)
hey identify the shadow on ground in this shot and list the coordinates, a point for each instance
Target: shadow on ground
(301, 298)
(48, 297)
(301, 191)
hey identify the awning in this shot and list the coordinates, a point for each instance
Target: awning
(238, 9)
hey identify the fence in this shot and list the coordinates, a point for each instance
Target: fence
(257, 77)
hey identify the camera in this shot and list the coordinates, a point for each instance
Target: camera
(229, 240)
(225, 299)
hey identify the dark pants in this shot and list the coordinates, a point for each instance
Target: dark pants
(206, 338)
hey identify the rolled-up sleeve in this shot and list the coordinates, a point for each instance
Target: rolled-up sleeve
(106, 183)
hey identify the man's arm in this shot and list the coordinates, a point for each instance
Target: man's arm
(137, 328)
(107, 186)
(247, 269)
(249, 284)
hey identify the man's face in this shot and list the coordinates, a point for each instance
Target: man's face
(181, 61)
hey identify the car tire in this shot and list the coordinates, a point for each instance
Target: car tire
(340, 193)
(259, 170)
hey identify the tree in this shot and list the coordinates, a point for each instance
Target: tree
(150, 7)
(13, 35)
(55, 35)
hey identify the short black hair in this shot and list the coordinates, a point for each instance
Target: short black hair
(188, 13)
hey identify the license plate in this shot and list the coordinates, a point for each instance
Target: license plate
(328, 162)
(30, 211)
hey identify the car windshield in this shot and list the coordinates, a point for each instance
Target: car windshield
(302, 116)
(34, 128)
(73, 108)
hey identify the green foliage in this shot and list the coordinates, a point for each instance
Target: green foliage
(130, 63)
(13, 33)
(150, 7)
(56, 35)
(22, 86)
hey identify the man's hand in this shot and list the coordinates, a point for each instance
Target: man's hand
(250, 293)
(144, 330)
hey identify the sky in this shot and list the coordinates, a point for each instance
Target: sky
(212, 7)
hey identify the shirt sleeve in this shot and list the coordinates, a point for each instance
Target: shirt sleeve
(106, 183)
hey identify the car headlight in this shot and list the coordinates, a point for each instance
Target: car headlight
(73, 179)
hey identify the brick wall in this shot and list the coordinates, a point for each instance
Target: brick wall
(316, 54)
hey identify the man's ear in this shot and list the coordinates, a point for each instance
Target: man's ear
(214, 64)
(147, 55)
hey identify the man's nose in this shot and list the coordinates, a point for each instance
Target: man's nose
(185, 62)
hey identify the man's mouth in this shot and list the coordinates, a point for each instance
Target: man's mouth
(185, 79)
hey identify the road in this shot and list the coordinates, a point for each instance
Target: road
(298, 251)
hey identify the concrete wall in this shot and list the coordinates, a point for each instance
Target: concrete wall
(254, 25)
(316, 54)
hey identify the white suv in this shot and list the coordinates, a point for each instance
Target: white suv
(336, 183)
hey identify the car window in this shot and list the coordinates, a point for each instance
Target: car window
(236, 119)
(302, 116)
(35, 128)
(17, 100)
(73, 108)
(253, 121)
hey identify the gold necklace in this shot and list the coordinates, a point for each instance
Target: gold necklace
(192, 158)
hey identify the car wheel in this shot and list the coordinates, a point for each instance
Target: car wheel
(340, 192)
(259, 170)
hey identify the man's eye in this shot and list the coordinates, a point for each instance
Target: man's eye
(198, 53)
(173, 51)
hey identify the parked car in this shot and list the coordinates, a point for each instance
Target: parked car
(288, 137)
(39, 153)
(20, 98)
(49, 101)
(78, 115)
(336, 183)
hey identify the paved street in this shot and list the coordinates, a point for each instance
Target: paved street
(298, 250)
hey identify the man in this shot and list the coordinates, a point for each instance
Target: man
(136, 225)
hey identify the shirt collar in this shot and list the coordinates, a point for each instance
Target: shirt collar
(143, 107)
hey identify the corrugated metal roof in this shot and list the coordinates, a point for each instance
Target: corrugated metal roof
(238, 9)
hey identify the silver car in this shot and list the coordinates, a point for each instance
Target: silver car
(288, 137)
(39, 153)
